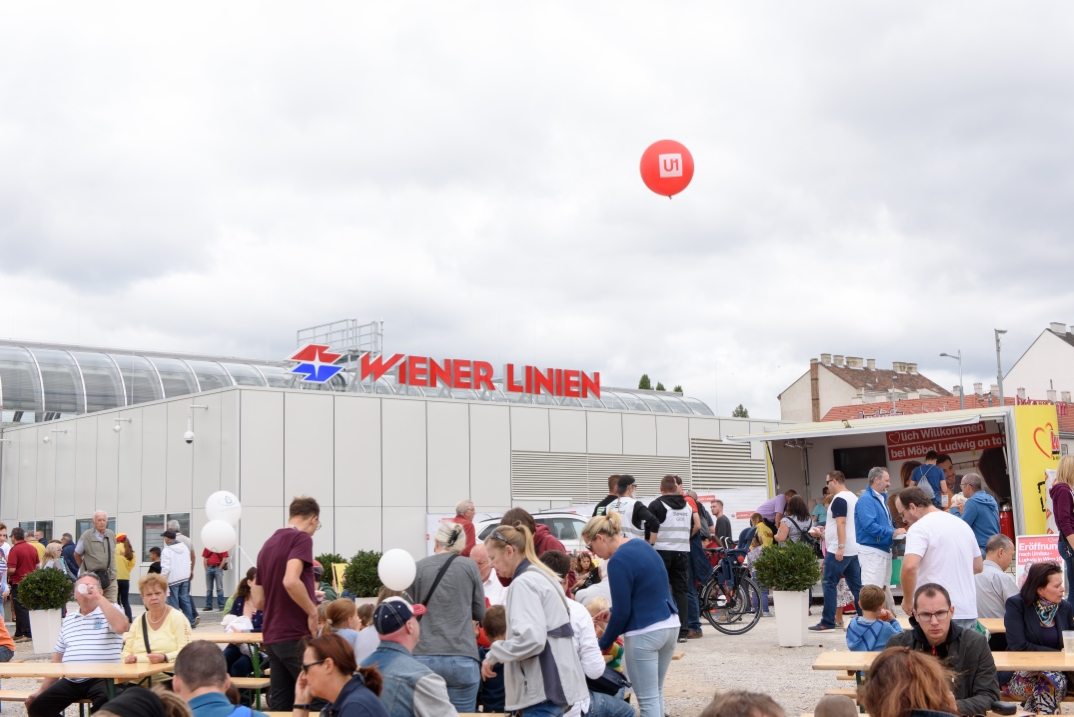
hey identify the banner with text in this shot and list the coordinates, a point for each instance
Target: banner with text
(916, 442)
(1033, 549)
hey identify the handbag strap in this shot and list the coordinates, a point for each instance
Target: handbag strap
(145, 632)
(439, 577)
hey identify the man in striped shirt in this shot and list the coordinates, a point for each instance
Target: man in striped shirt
(93, 633)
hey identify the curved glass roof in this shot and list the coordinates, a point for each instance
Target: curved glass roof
(43, 382)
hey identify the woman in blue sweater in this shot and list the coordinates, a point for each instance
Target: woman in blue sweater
(642, 611)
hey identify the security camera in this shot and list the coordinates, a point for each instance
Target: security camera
(188, 436)
(46, 439)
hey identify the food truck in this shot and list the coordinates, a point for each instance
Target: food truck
(1012, 447)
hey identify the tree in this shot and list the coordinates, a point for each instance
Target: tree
(677, 389)
(659, 386)
(644, 382)
(740, 412)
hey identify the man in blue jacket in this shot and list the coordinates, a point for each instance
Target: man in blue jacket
(980, 512)
(875, 529)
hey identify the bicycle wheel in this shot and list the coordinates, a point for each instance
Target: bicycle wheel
(715, 602)
(736, 610)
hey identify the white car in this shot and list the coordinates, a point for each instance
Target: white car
(565, 525)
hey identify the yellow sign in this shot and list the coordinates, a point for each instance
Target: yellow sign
(337, 576)
(1037, 431)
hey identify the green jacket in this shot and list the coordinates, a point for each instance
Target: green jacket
(329, 591)
(966, 653)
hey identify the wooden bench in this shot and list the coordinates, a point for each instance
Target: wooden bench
(843, 691)
(21, 695)
(257, 684)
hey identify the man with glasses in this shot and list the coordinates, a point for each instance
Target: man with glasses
(284, 589)
(841, 541)
(964, 651)
(940, 549)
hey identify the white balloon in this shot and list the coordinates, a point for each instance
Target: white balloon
(219, 536)
(397, 569)
(223, 505)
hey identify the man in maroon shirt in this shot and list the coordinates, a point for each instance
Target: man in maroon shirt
(21, 561)
(284, 589)
(464, 516)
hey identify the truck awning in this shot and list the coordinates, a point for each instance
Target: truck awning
(858, 426)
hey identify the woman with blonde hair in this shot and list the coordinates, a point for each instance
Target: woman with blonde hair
(450, 587)
(1062, 495)
(642, 609)
(904, 683)
(539, 631)
(161, 632)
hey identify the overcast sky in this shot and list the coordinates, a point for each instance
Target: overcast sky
(884, 180)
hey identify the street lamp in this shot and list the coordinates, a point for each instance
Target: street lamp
(999, 366)
(961, 392)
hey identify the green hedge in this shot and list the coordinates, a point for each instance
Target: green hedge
(361, 577)
(327, 560)
(45, 589)
(791, 566)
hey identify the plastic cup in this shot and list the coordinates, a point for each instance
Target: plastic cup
(1068, 641)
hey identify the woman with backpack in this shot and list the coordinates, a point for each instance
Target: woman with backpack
(795, 527)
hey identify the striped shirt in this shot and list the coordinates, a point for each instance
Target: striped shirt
(89, 638)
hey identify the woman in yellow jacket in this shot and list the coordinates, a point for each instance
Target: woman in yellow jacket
(124, 565)
(164, 629)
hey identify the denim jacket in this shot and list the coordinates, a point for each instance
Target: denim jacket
(410, 688)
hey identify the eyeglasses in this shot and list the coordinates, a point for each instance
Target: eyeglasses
(306, 667)
(939, 616)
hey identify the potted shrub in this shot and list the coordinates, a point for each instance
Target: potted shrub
(789, 570)
(361, 576)
(45, 592)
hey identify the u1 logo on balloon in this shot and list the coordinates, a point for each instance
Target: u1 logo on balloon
(667, 167)
(671, 165)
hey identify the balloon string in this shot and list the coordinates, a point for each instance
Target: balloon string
(253, 563)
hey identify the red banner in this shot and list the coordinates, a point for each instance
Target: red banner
(950, 445)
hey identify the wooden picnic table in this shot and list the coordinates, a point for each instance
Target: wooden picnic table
(110, 672)
(993, 624)
(1005, 661)
(236, 638)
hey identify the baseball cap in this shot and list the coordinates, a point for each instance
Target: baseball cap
(625, 481)
(393, 613)
(121, 536)
(168, 534)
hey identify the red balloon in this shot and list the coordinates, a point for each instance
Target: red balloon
(667, 167)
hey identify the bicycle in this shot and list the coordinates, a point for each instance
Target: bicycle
(730, 600)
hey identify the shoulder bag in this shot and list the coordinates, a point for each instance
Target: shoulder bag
(436, 582)
(805, 537)
(145, 632)
(102, 575)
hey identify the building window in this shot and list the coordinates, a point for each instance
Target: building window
(45, 526)
(1063, 448)
(84, 524)
(153, 526)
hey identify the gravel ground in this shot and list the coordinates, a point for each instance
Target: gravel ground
(755, 662)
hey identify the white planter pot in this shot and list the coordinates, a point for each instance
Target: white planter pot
(791, 617)
(45, 628)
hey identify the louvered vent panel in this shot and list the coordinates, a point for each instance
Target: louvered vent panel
(716, 464)
(549, 475)
(584, 478)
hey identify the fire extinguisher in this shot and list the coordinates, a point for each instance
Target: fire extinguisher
(1006, 520)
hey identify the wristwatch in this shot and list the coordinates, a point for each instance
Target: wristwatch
(840, 546)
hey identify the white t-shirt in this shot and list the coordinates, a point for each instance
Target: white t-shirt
(947, 548)
(842, 506)
(495, 592)
(588, 649)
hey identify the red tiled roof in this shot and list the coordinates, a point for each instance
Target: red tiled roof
(879, 379)
(937, 405)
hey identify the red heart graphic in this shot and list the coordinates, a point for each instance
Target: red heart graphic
(1039, 429)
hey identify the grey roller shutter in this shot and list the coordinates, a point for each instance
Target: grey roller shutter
(716, 464)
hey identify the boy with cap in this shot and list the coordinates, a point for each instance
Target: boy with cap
(410, 688)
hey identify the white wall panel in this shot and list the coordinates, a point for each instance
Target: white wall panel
(357, 447)
(639, 434)
(29, 441)
(449, 452)
(324, 540)
(261, 462)
(705, 428)
(197, 522)
(107, 495)
(229, 441)
(529, 428)
(566, 431)
(130, 461)
(9, 488)
(403, 446)
(154, 457)
(490, 456)
(205, 453)
(180, 456)
(357, 529)
(46, 476)
(405, 528)
(86, 467)
(672, 436)
(66, 448)
(308, 451)
(257, 525)
(604, 432)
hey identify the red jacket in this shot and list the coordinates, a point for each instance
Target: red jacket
(471, 537)
(543, 541)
